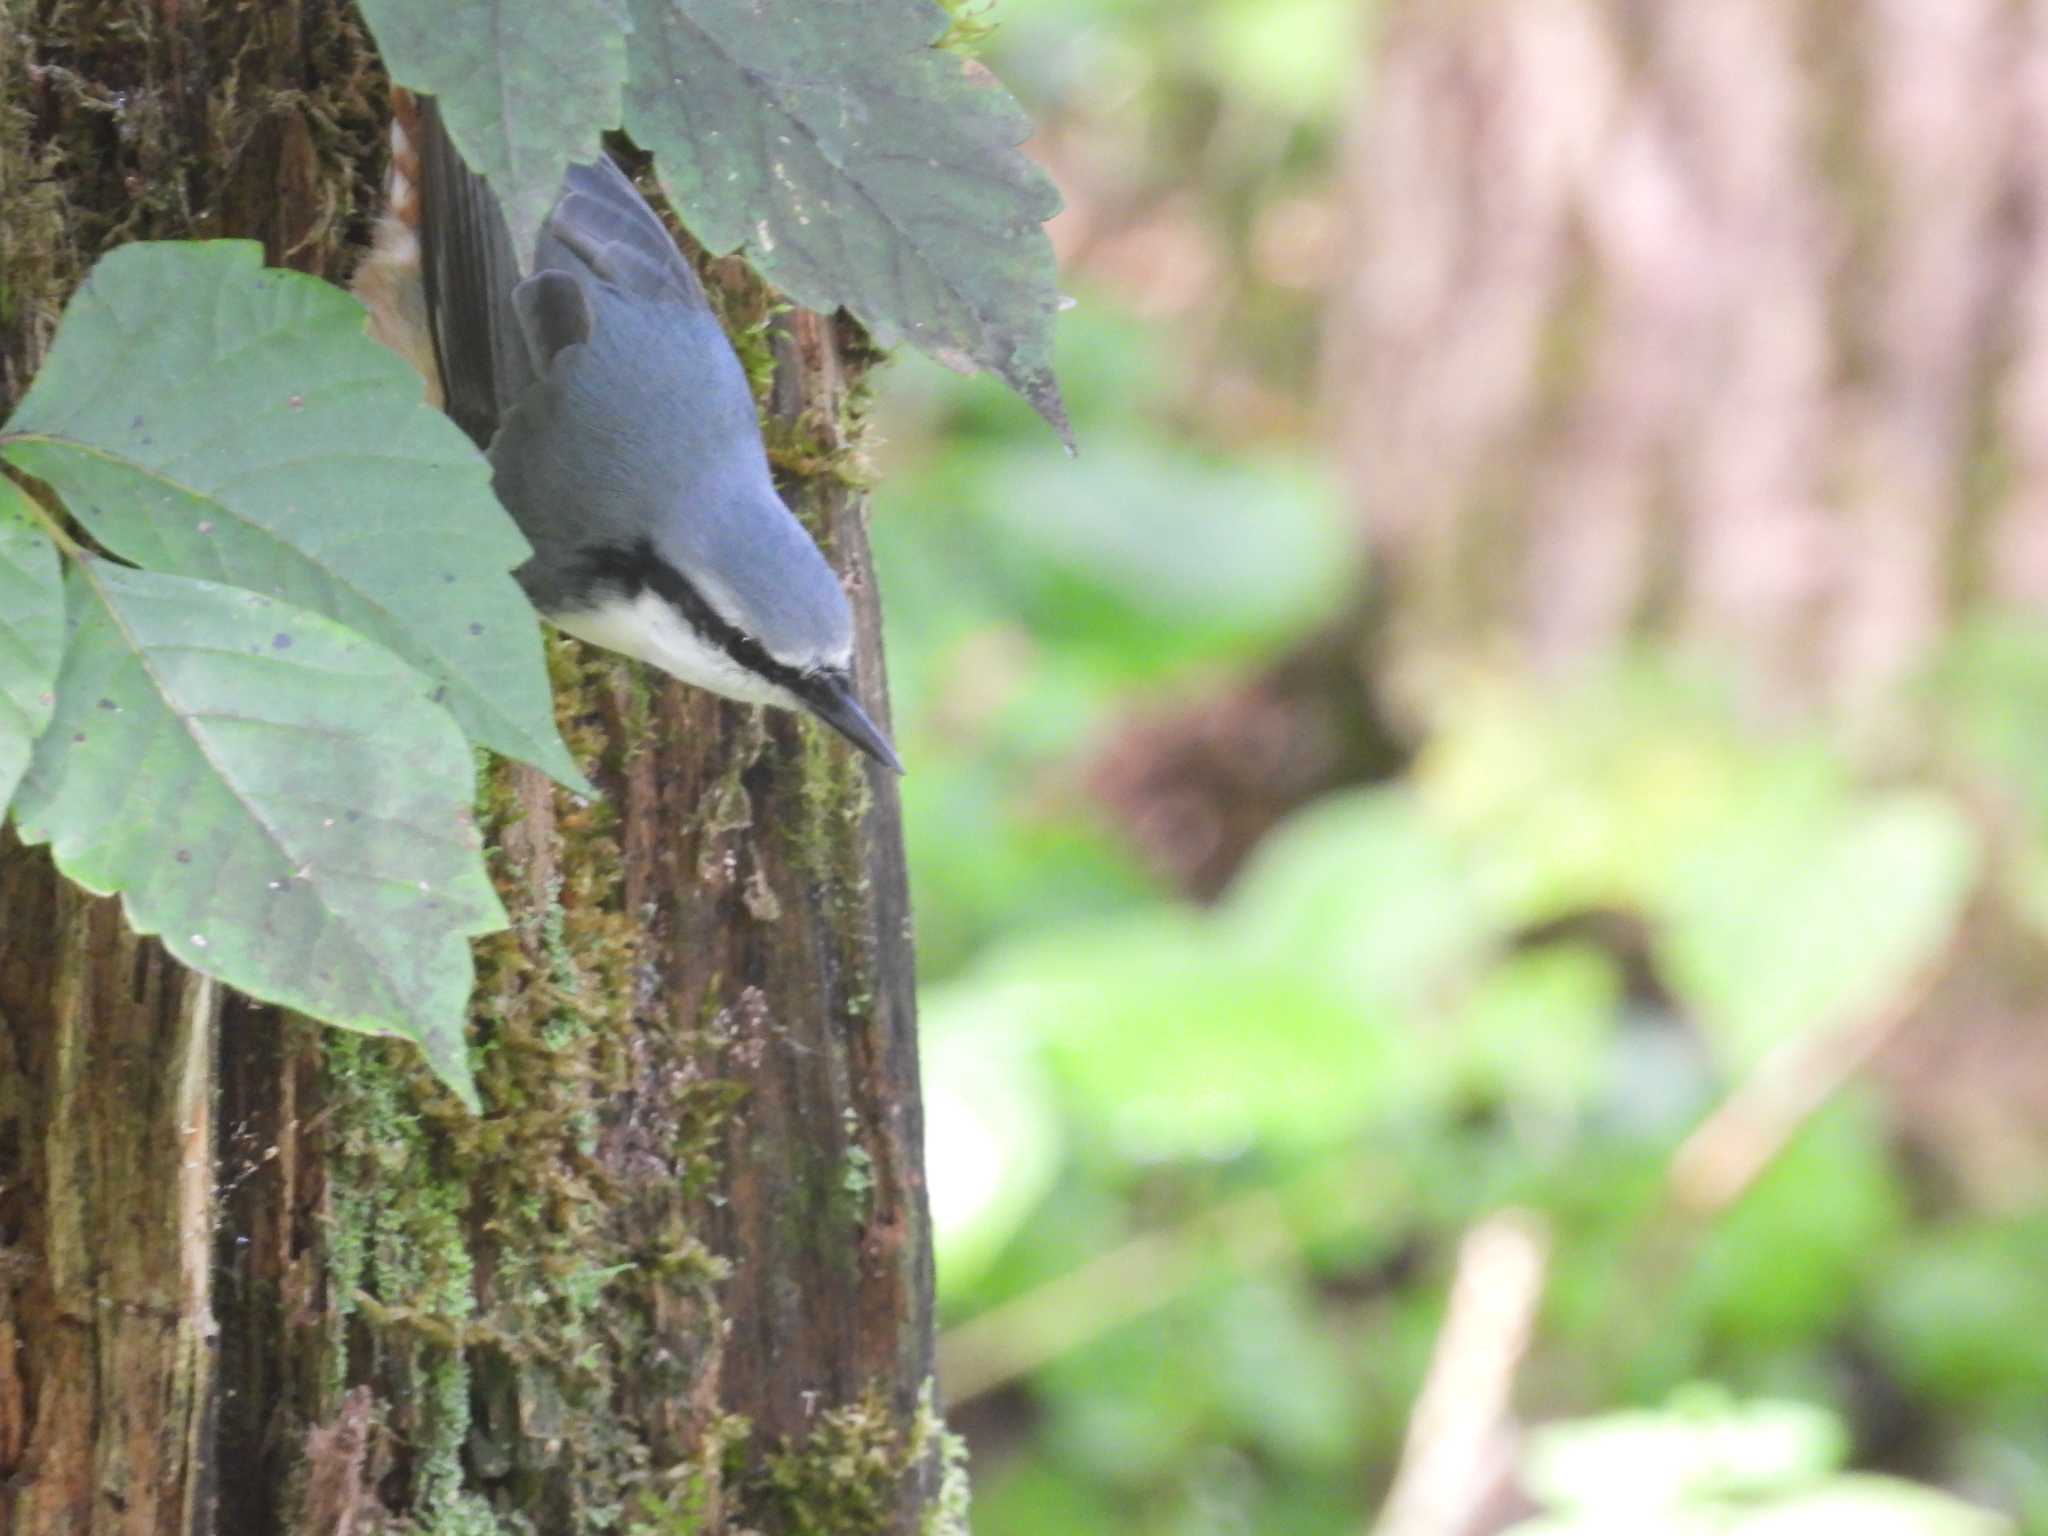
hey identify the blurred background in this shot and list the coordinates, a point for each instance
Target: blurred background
(1481, 855)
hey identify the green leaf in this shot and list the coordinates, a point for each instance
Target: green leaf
(994, 1140)
(1869, 1506)
(1536, 1031)
(1283, 1378)
(1583, 798)
(31, 634)
(1362, 890)
(1789, 921)
(251, 433)
(1704, 1445)
(1989, 690)
(273, 794)
(1858, 1503)
(859, 167)
(1790, 1261)
(523, 88)
(1186, 1046)
(1957, 1314)
(1162, 534)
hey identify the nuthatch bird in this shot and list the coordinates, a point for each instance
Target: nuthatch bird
(619, 425)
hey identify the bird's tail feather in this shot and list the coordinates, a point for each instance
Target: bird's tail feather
(470, 270)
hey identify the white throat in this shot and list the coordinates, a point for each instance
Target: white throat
(648, 629)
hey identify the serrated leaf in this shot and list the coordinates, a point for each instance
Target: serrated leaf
(273, 794)
(523, 88)
(859, 167)
(251, 433)
(31, 634)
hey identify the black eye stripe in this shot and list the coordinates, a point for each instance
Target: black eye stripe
(633, 570)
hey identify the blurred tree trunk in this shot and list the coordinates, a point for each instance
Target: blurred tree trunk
(1723, 322)
(258, 1277)
(1725, 325)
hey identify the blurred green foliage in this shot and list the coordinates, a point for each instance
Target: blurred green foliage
(1199, 1174)
(1707, 1467)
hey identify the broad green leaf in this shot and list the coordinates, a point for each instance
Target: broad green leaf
(1787, 923)
(1788, 1263)
(523, 88)
(1587, 797)
(992, 1138)
(1783, 898)
(1536, 1030)
(1989, 690)
(1132, 1406)
(1866, 1505)
(1852, 1505)
(1703, 1446)
(859, 167)
(1957, 1314)
(1285, 1381)
(273, 794)
(251, 433)
(1161, 534)
(1186, 1046)
(31, 634)
(1362, 890)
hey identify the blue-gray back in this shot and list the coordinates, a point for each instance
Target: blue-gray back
(647, 430)
(614, 411)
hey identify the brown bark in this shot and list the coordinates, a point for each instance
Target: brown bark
(677, 1276)
(106, 1387)
(1716, 322)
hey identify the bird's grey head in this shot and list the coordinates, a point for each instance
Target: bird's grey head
(754, 589)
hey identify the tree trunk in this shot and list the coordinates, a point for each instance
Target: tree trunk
(263, 1277)
(1725, 322)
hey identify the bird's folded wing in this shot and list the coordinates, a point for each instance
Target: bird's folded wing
(605, 226)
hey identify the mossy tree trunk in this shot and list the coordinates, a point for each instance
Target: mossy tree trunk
(259, 1277)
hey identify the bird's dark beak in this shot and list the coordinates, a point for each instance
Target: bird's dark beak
(829, 696)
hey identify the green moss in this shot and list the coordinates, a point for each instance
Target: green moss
(833, 799)
(947, 1513)
(398, 1251)
(846, 1478)
(858, 1182)
(843, 1480)
(810, 448)
(504, 1371)
(686, 1512)
(748, 307)
(465, 1515)
(438, 1477)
